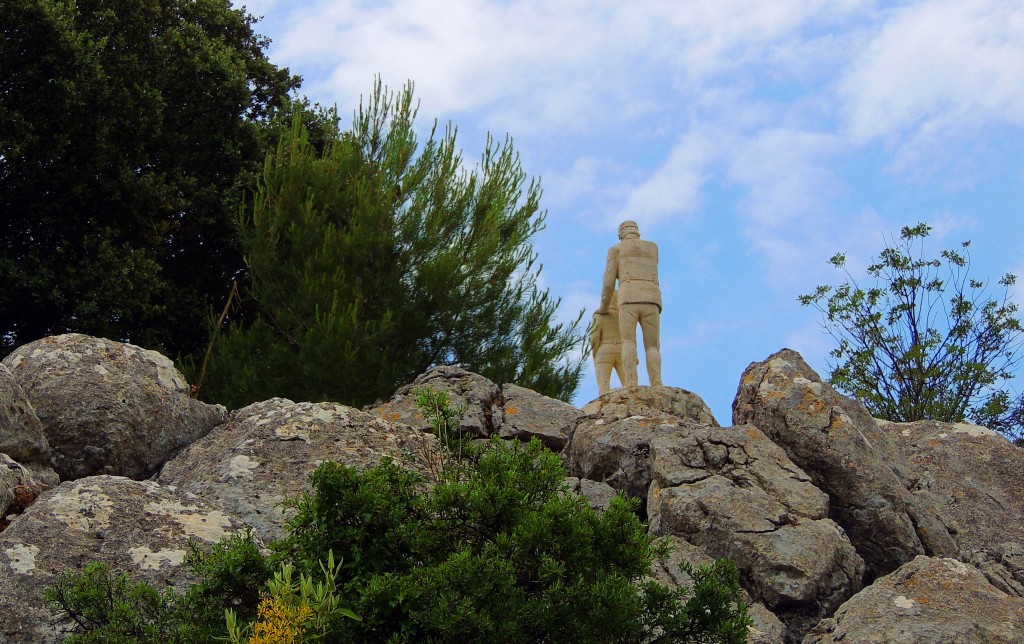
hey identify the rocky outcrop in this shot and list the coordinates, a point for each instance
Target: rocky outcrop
(976, 474)
(268, 450)
(134, 526)
(837, 442)
(108, 407)
(652, 401)
(803, 478)
(734, 493)
(508, 411)
(927, 600)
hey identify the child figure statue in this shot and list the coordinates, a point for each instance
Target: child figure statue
(606, 345)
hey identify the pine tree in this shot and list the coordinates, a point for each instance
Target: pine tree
(371, 260)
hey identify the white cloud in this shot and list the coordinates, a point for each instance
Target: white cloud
(937, 70)
(674, 188)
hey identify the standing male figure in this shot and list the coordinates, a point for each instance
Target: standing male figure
(633, 263)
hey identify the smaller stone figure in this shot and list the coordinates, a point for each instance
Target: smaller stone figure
(606, 345)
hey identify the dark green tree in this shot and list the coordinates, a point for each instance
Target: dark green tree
(372, 259)
(125, 128)
(926, 340)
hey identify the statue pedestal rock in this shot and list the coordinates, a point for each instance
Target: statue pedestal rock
(633, 265)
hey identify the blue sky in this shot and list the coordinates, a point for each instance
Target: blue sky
(751, 140)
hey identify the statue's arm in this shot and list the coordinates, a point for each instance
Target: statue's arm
(611, 273)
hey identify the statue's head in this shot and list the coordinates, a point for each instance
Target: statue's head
(629, 230)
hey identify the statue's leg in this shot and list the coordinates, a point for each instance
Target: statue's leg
(618, 369)
(627, 327)
(604, 377)
(650, 325)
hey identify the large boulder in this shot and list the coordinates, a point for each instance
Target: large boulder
(21, 433)
(614, 443)
(735, 494)
(134, 526)
(619, 452)
(976, 473)
(927, 600)
(837, 442)
(508, 411)
(268, 450)
(481, 397)
(108, 407)
(651, 401)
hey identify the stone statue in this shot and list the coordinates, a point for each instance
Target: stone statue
(606, 345)
(633, 263)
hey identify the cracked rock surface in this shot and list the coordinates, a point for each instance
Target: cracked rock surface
(840, 446)
(976, 474)
(108, 407)
(734, 493)
(1002, 565)
(929, 599)
(268, 450)
(766, 627)
(134, 526)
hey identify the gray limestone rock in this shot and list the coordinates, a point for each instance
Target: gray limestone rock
(527, 414)
(766, 627)
(268, 450)
(652, 401)
(598, 495)
(21, 433)
(1002, 565)
(976, 474)
(482, 398)
(928, 600)
(837, 442)
(108, 407)
(734, 493)
(134, 526)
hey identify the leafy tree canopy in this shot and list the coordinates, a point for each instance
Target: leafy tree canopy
(372, 258)
(124, 130)
(925, 340)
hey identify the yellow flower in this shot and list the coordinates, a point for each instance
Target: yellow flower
(278, 623)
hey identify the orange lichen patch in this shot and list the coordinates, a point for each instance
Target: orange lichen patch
(753, 433)
(24, 496)
(511, 410)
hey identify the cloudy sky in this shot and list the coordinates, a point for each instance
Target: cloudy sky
(751, 140)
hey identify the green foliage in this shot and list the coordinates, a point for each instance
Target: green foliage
(113, 609)
(926, 341)
(127, 130)
(499, 553)
(372, 258)
(294, 609)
